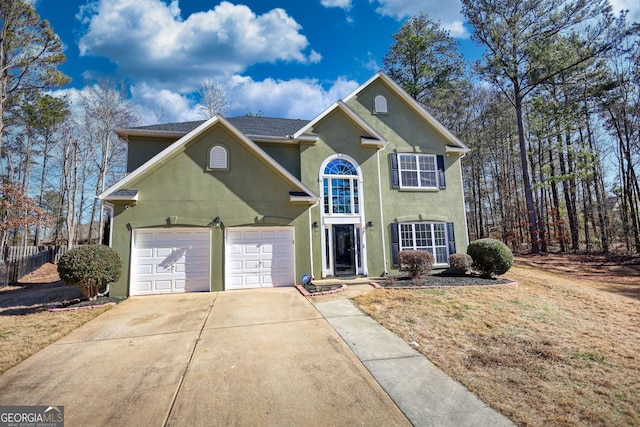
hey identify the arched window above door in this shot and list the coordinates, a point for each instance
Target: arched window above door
(341, 194)
(340, 167)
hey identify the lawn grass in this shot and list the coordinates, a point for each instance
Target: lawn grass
(26, 326)
(22, 335)
(554, 350)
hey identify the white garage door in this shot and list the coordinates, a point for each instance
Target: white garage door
(259, 257)
(171, 260)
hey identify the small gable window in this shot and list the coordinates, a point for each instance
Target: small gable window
(218, 158)
(380, 105)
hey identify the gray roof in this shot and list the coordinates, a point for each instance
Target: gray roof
(249, 125)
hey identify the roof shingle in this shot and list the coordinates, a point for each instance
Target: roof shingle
(248, 125)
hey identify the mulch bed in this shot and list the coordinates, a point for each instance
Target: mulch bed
(83, 304)
(441, 280)
(311, 290)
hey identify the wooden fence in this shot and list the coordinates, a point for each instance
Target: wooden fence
(18, 261)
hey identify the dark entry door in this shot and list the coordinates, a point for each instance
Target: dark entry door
(344, 250)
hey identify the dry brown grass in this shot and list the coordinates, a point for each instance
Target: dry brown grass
(25, 324)
(556, 350)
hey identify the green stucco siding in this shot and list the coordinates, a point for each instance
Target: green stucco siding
(140, 150)
(182, 192)
(405, 132)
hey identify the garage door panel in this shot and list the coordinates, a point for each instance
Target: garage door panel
(162, 285)
(144, 269)
(171, 260)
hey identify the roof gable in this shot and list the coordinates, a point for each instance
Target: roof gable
(453, 144)
(178, 146)
(371, 137)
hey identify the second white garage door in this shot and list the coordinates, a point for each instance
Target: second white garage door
(259, 257)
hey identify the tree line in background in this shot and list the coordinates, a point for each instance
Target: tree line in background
(551, 114)
(55, 154)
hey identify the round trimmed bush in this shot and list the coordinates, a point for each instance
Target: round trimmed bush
(417, 263)
(460, 263)
(90, 268)
(490, 257)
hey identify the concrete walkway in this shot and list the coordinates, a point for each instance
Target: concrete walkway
(423, 392)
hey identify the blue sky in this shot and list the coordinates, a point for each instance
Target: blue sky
(285, 58)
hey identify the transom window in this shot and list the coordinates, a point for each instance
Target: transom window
(425, 236)
(418, 170)
(340, 188)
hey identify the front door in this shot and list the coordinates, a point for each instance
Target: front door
(344, 250)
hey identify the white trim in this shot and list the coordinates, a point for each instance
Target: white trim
(383, 224)
(175, 148)
(438, 127)
(124, 133)
(356, 219)
(456, 150)
(311, 238)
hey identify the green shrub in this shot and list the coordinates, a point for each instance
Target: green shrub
(417, 263)
(460, 263)
(90, 268)
(490, 257)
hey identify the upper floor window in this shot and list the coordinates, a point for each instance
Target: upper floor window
(380, 104)
(218, 158)
(417, 171)
(340, 188)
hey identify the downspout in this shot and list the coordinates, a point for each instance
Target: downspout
(382, 222)
(311, 237)
(111, 209)
(464, 208)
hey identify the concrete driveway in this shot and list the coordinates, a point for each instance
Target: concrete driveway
(258, 357)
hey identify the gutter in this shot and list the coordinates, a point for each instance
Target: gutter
(382, 222)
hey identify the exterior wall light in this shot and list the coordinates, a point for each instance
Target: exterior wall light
(217, 222)
(316, 226)
(369, 225)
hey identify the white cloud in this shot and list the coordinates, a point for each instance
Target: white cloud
(342, 4)
(150, 38)
(159, 105)
(447, 12)
(633, 6)
(296, 99)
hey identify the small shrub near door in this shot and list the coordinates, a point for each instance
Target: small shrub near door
(490, 257)
(460, 263)
(417, 263)
(90, 268)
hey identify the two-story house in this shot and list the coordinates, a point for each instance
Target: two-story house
(247, 202)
